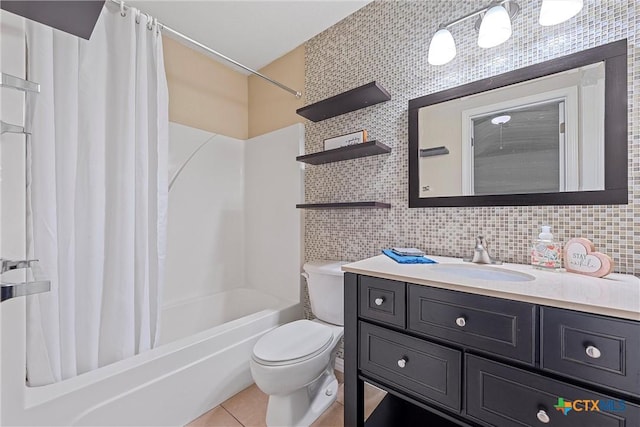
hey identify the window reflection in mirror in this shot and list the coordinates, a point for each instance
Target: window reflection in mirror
(541, 136)
(525, 144)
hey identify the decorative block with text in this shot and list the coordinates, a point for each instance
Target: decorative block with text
(580, 256)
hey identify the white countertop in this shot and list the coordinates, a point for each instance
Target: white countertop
(615, 295)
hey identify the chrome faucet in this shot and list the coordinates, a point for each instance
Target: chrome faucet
(481, 253)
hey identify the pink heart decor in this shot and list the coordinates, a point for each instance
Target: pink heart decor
(580, 257)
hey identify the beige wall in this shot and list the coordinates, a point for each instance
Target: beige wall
(204, 93)
(270, 107)
(209, 95)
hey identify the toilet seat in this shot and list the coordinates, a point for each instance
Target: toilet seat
(292, 343)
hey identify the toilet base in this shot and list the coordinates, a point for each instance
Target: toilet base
(302, 407)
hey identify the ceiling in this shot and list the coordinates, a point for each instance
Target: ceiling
(251, 32)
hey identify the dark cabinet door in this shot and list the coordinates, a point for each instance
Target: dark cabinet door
(499, 326)
(382, 300)
(597, 349)
(426, 370)
(504, 396)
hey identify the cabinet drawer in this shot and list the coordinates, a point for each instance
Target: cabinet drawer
(499, 326)
(382, 300)
(426, 370)
(601, 350)
(504, 396)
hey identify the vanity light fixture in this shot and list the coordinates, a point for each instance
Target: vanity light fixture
(494, 25)
(554, 12)
(442, 48)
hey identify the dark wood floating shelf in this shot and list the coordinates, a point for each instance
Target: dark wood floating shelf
(363, 149)
(345, 102)
(436, 151)
(350, 205)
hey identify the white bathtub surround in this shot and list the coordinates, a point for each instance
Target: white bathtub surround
(98, 194)
(232, 217)
(184, 144)
(273, 227)
(205, 232)
(12, 216)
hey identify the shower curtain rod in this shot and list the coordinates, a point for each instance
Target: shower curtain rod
(162, 26)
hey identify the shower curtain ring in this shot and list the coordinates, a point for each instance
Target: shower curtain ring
(123, 13)
(149, 22)
(137, 16)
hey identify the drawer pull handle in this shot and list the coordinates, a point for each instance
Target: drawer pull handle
(379, 301)
(402, 362)
(543, 417)
(460, 321)
(593, 352)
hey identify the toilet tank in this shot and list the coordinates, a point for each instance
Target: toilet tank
(326, 290)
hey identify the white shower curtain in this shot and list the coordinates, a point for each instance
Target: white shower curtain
(97, 190)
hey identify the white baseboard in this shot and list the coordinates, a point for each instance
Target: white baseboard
(339, 365)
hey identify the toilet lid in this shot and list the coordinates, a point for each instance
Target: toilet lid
(292, 341)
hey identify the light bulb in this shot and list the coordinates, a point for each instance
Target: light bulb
(495, 28)
(442, 48)
(500, 120)
(554, 12)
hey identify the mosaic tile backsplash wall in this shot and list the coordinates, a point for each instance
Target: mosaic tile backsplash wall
(387, 41)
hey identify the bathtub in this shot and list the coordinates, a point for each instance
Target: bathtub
(202, 359)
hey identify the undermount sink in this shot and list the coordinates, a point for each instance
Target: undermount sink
(483, 273)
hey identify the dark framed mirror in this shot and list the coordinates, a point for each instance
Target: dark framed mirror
(553, 133)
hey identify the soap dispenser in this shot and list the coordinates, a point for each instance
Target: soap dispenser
(545, 253)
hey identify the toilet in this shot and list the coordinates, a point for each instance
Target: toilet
(293, 363)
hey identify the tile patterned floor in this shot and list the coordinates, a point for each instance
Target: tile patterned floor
(249, 407)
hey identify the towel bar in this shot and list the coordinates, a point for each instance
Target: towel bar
(17, 83)
(9, 128)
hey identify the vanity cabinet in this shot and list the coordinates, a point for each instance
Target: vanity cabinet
(455, 358)
(501, 327)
